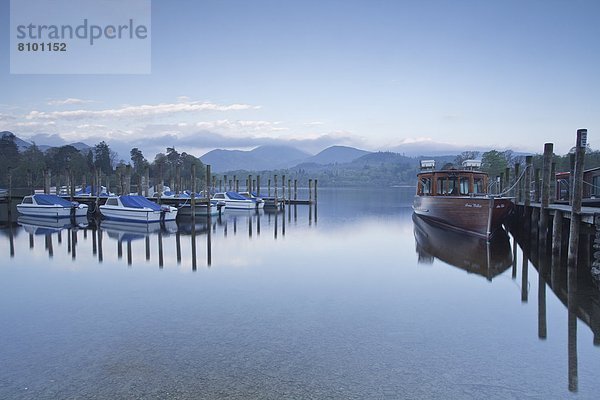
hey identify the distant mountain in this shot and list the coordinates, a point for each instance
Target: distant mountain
(431, 148)
(81, 146)
(24, 145)
(21, 144)
(261, 158)
(383, 157)
(336, 155)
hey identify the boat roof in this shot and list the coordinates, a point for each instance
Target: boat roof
(51, 200)
(135, 201)
(452, 172)
(235, 196)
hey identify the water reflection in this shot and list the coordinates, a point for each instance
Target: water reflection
(329, 305)
(573, 286)
(467, 252)
(156, 236)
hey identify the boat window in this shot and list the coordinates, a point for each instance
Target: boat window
(447, 186)
(441, 186)
(219, 196)
(111, 202)
(425, 186)
(27, 200)
(596, 185)
(478, 186)
(464, 185)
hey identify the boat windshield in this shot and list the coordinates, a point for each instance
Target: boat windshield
(454, 183)
(51, 200)
(478, 186)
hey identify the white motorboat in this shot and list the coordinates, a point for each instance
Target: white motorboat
(236, 201)
(52, 206)
(259, 202)
(202, 208)
(136, 209)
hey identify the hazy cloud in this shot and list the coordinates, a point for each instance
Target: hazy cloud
(69, 101)
(145, 110)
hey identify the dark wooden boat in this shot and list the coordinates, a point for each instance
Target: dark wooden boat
(487, 258)
(459, 199)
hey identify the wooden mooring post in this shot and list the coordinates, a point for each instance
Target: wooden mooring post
(546, 170)
(193, 197)
(207, 183)
(577, 194)
(295, 189)
(517, 184)
(557, 228)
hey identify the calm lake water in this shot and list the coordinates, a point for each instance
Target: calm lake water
(353, 300)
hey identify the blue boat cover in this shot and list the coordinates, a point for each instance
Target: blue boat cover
(139, 202)
(51, 199)
(235, 196)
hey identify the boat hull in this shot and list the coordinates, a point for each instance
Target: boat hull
(54, 211)
(480, 216)
(201, 210)
(240, 204)
(135, 215)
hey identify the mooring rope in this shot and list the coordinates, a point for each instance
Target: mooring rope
(516, 182)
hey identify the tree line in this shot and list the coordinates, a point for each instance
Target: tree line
(98, 165)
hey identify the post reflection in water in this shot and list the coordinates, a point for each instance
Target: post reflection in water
(94, 241)
(193, 243)
(147, 243)
(100, 249)
(209, 243)
(572, 286)
(74, 243)
(160, 249)
(514, 263)
(524, 280)
(11, 238)
(542, 324)
(49, 246)
(572, 328)
(178, 246)
(129, 253)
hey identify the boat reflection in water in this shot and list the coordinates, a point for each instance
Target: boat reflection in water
(128, 231)
(468, 252)
(44, 225)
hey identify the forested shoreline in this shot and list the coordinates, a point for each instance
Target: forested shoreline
(25, 169)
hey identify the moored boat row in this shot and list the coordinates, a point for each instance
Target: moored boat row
(138, 208)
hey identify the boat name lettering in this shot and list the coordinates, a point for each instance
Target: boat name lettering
(473, 205)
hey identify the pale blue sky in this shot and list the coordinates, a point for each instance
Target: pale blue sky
(373, 74)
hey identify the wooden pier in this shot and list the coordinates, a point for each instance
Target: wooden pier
(555, 224)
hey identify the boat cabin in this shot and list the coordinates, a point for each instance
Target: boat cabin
(452, 182)
(591, 186)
